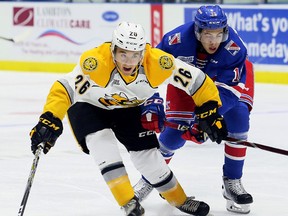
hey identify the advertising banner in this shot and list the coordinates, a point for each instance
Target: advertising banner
(156, 24)
(45, 35)
(264, 31)
(59, 32)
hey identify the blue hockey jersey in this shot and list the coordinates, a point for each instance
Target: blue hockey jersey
(226, 66)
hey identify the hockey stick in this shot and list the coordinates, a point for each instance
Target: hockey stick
(235, 141)
(30, 180)
(7, 39)
(18, 38)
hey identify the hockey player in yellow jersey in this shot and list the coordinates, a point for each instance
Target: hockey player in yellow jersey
(111, 95)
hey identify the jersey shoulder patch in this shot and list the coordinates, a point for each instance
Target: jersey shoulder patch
(232, 47)
(158, 65)
(98, 64)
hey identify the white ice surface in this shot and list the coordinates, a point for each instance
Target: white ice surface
(68, 183)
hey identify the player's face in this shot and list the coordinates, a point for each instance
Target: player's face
(127, 60)
(211, 39)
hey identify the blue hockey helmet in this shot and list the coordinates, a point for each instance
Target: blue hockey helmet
(211, 17)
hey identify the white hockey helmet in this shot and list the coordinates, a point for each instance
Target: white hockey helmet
(128, 36)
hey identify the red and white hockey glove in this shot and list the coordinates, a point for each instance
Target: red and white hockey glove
(153, 115)
(195, 135)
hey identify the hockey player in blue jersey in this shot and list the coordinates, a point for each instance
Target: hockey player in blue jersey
(211, 45)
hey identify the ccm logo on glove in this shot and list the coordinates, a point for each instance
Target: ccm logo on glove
(152, 114)
(207, 113)
(211, 122)
(154, 101)
(48, 129)
(49, 123)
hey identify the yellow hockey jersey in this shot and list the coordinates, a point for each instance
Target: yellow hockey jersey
(96, 80)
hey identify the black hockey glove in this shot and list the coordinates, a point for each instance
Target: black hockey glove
(211, 122)
(48, 129)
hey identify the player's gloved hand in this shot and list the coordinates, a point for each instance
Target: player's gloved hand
(153, 115)
(211, 122)
(48, 129)
(194, 134)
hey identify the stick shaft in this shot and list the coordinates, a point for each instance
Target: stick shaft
(30, 181)
(259, 146)
(235, 141)
(7, 39)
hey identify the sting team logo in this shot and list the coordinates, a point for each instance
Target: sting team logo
(23, 16)
(90, 64)
(166, 62)
(119, 99)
